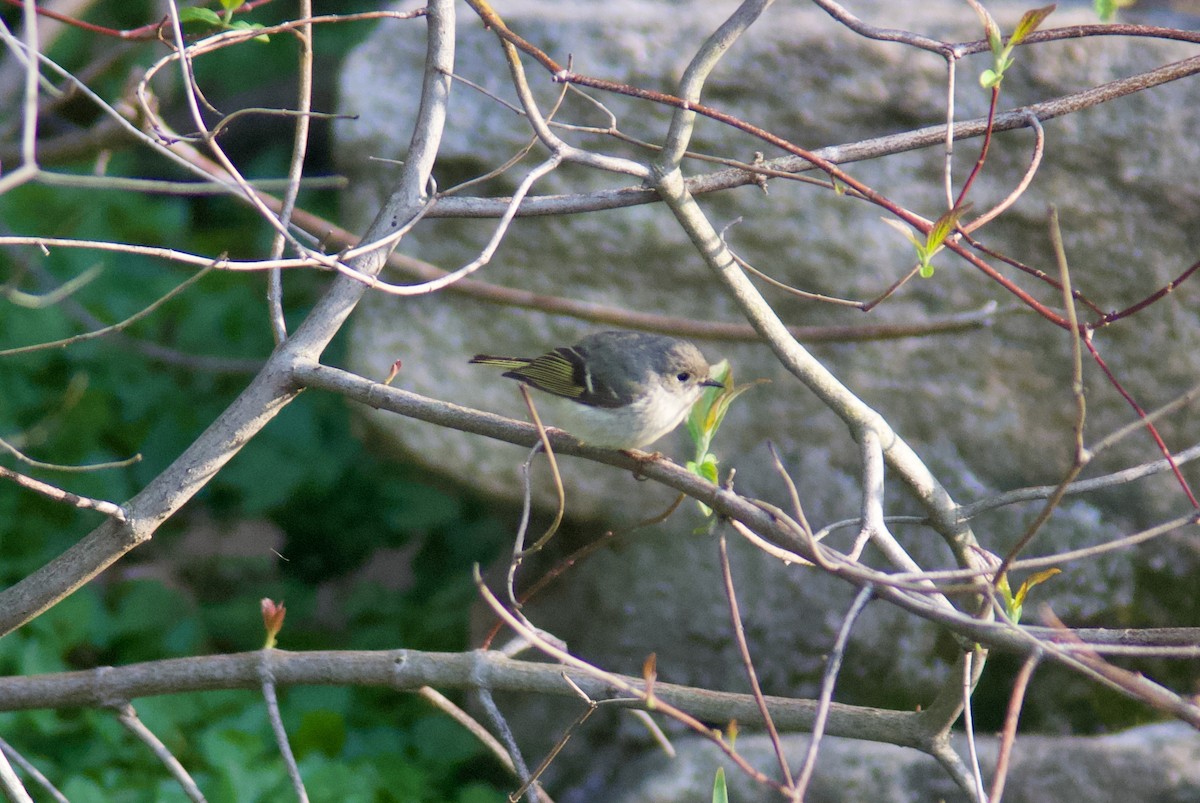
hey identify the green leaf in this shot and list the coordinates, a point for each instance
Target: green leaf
(705, 419)
(1029, 23)
(243, 25)
(720, 792)
(699, 416)
(943, 226)
(1004, 588)
(205, 15)
(990, 28)
(1032, 581)
(232, 5)
(1015, 603)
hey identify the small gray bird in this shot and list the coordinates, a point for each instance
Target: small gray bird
(622, 390)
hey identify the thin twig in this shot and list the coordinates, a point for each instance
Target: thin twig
(281, 738)
(295, 170)
(447, 706)
(621, 684)
(483, 693)
(1009, 735)
(32, 771)
(793, 494)
(1039, 146)
(1080, 455)
(110, 509)
(590, 708)
(70, 469)
(1134, 684)
(579, 555)
(968, 686)
(948, 157)
(833, 665)
(1122, 477)
(518, 550)
(739, 634)
(10, 784)
(129, 718)
(116, 327)
(559, 492)
(1144, 419)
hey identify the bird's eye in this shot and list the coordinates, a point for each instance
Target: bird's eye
(683, 376)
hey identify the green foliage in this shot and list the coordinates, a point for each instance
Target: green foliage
(1001, 50)
(223, 21)
(705, 419)
(306, 475)
(352, 744)
(720, 792)
(1014, 604)
(935, 240)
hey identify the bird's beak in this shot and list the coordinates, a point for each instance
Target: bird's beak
(712, 383)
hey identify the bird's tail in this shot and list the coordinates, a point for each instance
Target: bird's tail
(502, 362)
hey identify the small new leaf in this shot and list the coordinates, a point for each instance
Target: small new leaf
(1015, 603)
(1034, 580)
(934, 240)
(942, 227)
(720, 791)
(1029, 23)
(650, 675)
(705, 419)
(990, 28)
(1001, 51)
(273, 614)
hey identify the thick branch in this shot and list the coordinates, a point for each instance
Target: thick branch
(410, 670)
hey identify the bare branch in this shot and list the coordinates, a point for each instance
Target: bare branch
(270, 390)
(739, 633)
(267, 679)
(833, 665)
(33, 772)
(1009, 734)
(110, 509)
(129, 718)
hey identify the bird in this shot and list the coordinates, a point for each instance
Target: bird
(618, 390)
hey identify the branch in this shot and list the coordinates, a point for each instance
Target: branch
(754, 515)
(410, 670)
(271, 390)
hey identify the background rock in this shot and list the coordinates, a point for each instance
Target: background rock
(988, 409)
(1151, 764)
